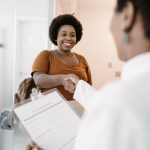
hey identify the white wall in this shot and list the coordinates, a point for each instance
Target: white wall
(65, 6)
(32, 8)
(7, 26)
(97, 44)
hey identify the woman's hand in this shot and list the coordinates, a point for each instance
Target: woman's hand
(33, 146)
(69, 86)
(70, 82)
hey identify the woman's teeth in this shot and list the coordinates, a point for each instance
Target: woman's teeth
(67, 44)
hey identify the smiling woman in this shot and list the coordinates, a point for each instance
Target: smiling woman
(50, 68)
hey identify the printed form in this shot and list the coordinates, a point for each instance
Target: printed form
(49, 121)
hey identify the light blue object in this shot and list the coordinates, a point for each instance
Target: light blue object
(35, 94)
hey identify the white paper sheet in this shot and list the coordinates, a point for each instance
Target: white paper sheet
(50, 122)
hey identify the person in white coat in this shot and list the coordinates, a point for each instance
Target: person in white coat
(117, 117)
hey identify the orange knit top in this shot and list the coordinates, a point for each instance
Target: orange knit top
(47, 62)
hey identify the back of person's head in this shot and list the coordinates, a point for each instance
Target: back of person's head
(66, 19)
(142, 8)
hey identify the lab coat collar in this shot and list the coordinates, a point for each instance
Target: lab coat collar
(136, 66)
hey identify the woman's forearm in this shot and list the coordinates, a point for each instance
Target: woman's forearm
(48, 81)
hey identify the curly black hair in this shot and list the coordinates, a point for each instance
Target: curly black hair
(142, 7)
(65, 19)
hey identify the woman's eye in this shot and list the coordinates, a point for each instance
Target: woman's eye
(63, 34)
(73, 35)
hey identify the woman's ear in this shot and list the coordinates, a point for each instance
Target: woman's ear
(128, 17)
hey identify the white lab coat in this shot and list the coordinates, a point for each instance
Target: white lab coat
(117, 116)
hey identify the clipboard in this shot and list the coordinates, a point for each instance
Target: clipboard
(48, 121)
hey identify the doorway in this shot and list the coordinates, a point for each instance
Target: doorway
(32, 37)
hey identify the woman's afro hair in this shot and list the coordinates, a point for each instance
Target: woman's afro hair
(66, 19)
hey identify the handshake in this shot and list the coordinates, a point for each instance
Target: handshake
(70, 81)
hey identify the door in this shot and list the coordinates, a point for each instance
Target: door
(32, 36)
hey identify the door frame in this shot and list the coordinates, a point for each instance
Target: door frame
(19, 22)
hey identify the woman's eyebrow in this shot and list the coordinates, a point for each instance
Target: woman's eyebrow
(66, 31)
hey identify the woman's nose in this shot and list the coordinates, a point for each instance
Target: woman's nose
(68, 37)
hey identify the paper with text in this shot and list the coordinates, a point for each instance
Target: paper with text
(50, 122)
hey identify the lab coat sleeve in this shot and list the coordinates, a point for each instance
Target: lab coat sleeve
(83, 93)
(110, 129)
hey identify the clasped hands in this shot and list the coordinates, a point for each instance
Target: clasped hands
(70, 82)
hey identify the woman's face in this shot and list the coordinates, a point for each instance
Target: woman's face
(66, 38)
